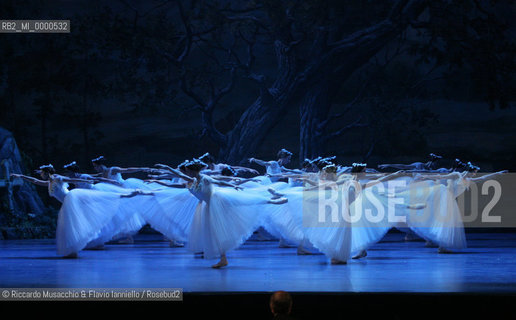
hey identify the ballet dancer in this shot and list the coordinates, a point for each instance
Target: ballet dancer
(86, 215)
(225, 217)
(416, 166)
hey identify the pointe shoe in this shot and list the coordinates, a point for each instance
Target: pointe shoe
(278, 200)
(176, 244)
(99, 247)
(430, 244)
(220, 264)
(283, 243)
(275, 194)
(302, 251)
(361, 254)
(337, 261)
(444, 250)
(411, 237)
(128, 240)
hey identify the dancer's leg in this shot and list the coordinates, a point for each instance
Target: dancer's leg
(222, 263)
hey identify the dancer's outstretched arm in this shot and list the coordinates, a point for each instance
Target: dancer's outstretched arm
(167, 184)
(176, 172)
(258, 161)
(33, 180)
(291, 170)
(226, 184)
(452, 175)
(398, 166)
(286, 175)
(235, 180)
(489, 176)
(245, 169)
(384, 178)
(162, 176)
(77, 180)
(115, 170)
(106, 180)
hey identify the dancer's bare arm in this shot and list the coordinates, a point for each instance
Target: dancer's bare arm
(258, 161)
(176, 172)
(489, 176)
(33, 180)
(167, 184)
(398, 166)
(116, 170)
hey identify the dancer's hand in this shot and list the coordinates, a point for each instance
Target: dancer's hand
(251, 160)
(253, 171)
(15, 175)
(161, 166)
(382, 166)
(237, 188)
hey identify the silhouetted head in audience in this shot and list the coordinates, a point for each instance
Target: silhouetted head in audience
(281, 303)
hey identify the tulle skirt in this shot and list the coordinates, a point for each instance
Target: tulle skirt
(433, 213)
(88, 216)
(172, 212)
(133, 207)
(226, 220)
(326, 226)
(281, 222)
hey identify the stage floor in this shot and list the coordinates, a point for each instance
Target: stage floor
(487, 266)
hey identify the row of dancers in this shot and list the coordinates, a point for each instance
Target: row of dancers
(213, 209)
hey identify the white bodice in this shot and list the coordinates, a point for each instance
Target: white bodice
(108, 174)
(57, 188)
(202, 188)
(459, 184)
(83, 185)
(273, 167)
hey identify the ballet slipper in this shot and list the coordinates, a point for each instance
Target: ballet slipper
(222, 263)
(303, 252)
(444, 250)
(361, 254)
(337, 261)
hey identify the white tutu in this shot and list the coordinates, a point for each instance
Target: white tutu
(433, 213)
(172, 213)
(225, 218)
(326, 229)
(88, 215)
(133, 208)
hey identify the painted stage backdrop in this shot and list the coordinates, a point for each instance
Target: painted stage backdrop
(143, 82)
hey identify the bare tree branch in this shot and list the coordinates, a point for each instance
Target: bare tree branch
(357, 124)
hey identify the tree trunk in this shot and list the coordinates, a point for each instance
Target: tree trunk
(339, 61)
(337, 64)
(256, 122)
(313, 110)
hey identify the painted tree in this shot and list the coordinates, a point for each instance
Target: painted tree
(304, 81)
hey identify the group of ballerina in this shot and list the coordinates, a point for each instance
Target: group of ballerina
(213, 208)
